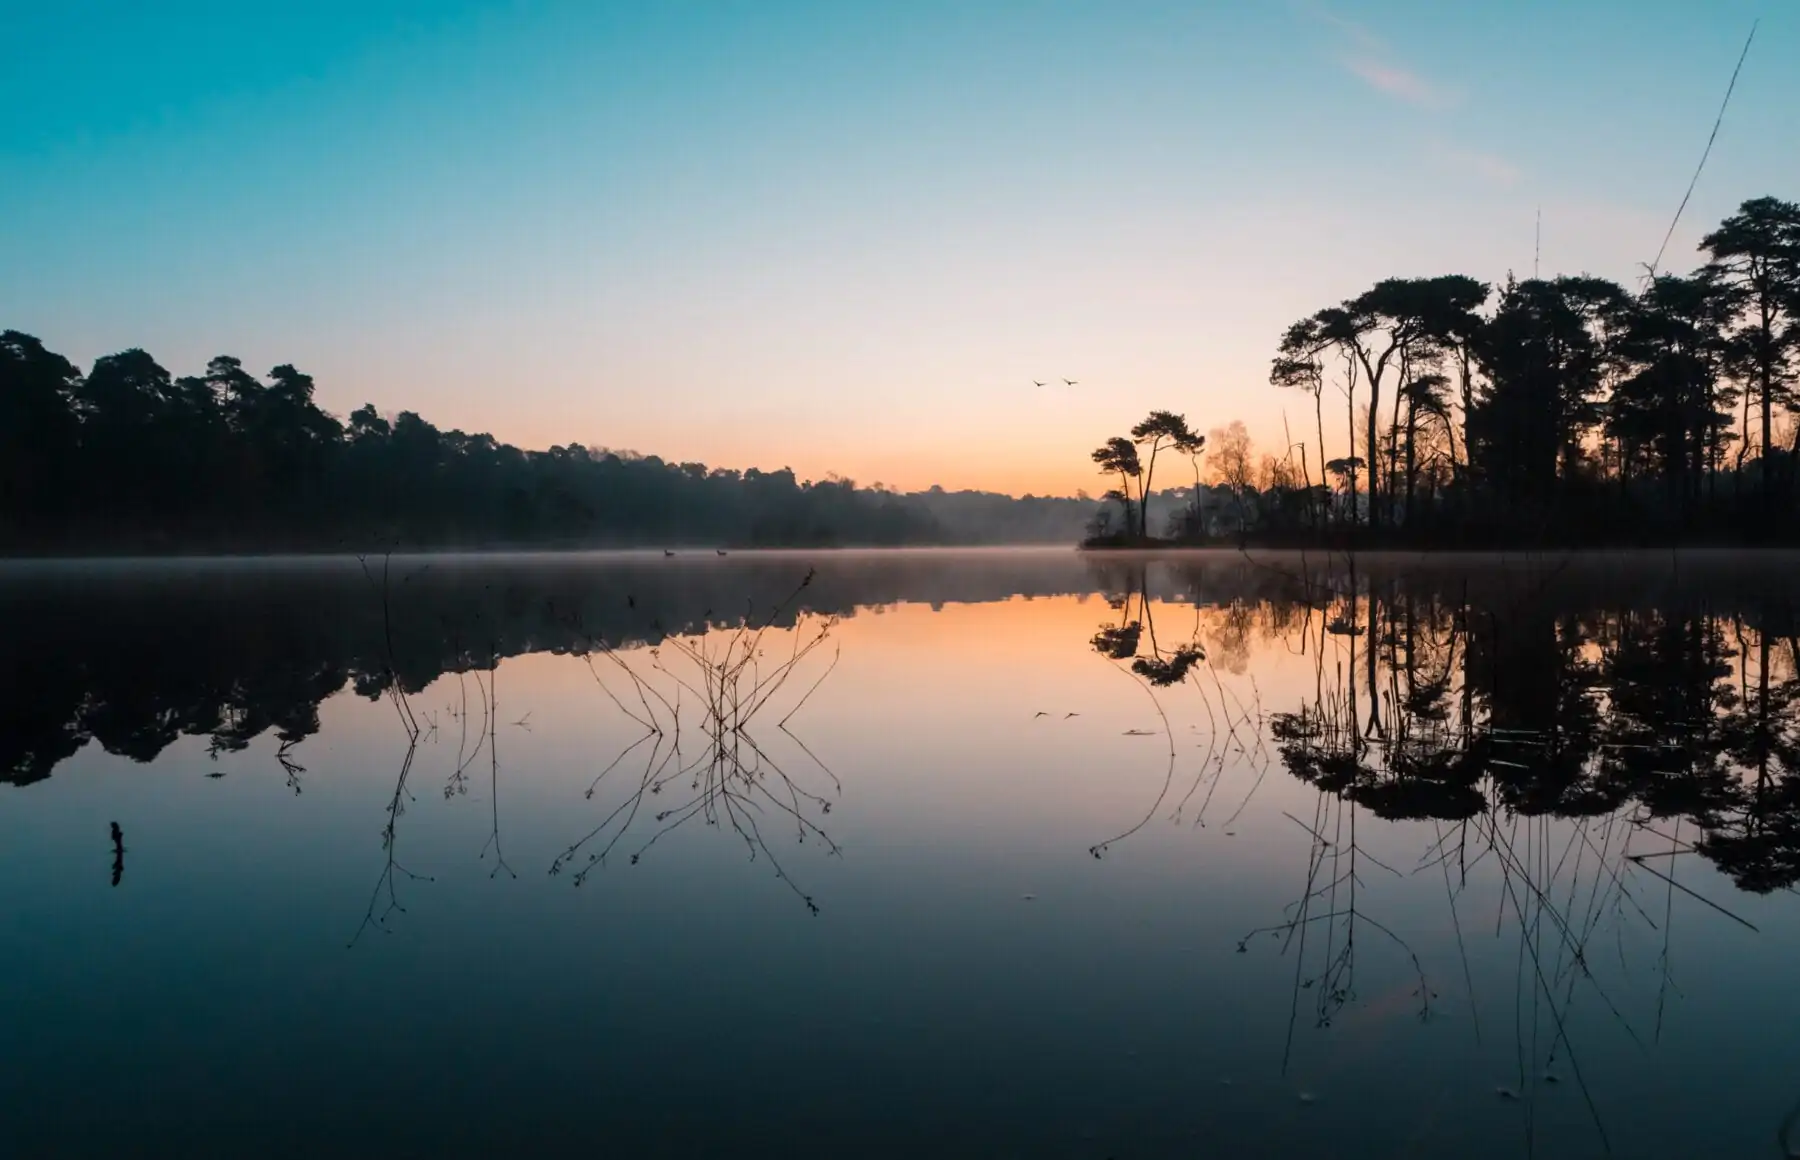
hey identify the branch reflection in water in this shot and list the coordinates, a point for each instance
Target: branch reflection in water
(385, 895)
(131, 656)
(729, 678)
(725, 678)
(1234, 726)
(1495, 788)
(1585, 747)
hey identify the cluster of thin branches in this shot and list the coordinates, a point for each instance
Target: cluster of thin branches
(384, 900)
(711, 686)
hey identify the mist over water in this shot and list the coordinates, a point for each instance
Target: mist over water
(997, 853)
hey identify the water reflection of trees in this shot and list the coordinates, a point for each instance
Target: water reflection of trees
(1447, 695)
(135, 656)
(1538, 691)
(1585, 742)
(1180, 659)
(1684, 711)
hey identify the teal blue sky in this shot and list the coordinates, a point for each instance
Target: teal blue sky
(837, 236)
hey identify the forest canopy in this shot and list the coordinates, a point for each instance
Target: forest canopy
(130, 457)
(1570, 409)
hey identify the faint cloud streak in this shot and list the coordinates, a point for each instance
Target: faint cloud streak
(1487, 166)
(1362, 38)
(1398, 82)
(1370, 59)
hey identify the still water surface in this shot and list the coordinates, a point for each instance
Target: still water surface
(954, 854)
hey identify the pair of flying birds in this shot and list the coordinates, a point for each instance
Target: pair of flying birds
(1066, 382)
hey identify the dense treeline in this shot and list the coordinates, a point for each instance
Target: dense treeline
(1567, 409)
(131, 457)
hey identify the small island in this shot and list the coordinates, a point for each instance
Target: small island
(1568, 411)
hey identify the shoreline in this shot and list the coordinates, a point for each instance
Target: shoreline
(711, 556)
(1358, 547)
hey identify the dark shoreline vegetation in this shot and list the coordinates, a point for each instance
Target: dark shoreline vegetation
(1565, 411)
(129, 458)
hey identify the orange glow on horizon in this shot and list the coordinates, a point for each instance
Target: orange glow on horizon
(1064, 470)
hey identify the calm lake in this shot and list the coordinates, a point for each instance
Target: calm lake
(986, 854)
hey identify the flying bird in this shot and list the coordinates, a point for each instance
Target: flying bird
(720, 551)
(1071, 383)
(666, 552)
(1035, 383)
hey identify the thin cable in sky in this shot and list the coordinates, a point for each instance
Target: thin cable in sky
(1707, 152)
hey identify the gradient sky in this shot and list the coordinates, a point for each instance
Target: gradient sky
(837, 236)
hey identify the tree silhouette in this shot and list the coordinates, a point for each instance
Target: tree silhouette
(1299, 365)
(1338, 330)
(38, 434)
(1566, 410)
(1426, 398)
(1119, 456)
(1755, 255)
(1670, 411)
(1545, 357)
(1161, 429)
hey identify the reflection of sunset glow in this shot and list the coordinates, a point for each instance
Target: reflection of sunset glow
(953, 697)
(1285, 860)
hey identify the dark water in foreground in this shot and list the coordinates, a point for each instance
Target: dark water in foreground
(981, 854)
